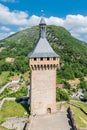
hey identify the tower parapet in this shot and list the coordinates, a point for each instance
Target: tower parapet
(44, 63)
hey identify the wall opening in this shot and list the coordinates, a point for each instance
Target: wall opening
(41, 59)
(49, 110)
(54, 58)
(48, 58)
(35, 59)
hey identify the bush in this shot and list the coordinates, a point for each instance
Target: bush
(66, 85)
(85, 96)
(61, 95)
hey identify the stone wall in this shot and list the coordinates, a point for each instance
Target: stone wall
(43, 91)
(71, 116)
(74, 125)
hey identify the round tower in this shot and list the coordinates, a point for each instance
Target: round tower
(43, 62)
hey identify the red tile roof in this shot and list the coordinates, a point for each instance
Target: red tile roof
(59, 85)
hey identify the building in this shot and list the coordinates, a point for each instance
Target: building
(60, 86)
(43, 62)
(74, 83)
(14, 87)
(15, 80)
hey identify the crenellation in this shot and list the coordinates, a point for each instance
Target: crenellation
(44, 67)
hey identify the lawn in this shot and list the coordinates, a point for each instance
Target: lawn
(80, 117)
(80, 104)
(11, 109)
(2, 128)
(26, 76)
(4, 78)
(22, 91)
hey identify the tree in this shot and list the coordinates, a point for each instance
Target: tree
(61, 95)
(66, 85)
(83, 85)
(85, 96)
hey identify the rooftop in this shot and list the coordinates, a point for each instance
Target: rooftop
(42, 21)
(42, 48)
(16, 78)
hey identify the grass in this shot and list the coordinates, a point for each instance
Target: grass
(58, 105)
(80, 117)
(22, 91)
(80, 104)
(26, 76)
(4, 78)
(11, 109)
(2, 128)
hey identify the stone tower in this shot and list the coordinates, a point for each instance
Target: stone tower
(43, 62)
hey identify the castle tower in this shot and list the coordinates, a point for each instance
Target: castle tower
(43, 62)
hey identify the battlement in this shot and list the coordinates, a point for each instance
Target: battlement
(44, 63)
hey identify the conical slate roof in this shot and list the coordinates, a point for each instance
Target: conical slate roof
(43, 48)
(42, 21)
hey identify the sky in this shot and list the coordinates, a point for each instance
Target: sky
(16, 15)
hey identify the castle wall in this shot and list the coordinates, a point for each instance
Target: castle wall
(43, 91)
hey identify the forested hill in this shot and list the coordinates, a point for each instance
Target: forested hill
(73, 53)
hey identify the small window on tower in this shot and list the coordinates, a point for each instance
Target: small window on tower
(35, 59)
(41, 58)
(48, 58)
(54, 58)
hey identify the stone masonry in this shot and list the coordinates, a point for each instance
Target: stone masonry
(43, 62)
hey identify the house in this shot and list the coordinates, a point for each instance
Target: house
(74, 83)
(59, 86)
(14, 87)
(15, 80)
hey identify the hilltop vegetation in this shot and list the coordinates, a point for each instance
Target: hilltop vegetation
(73, 53)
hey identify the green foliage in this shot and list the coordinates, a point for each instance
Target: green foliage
(11, 109)
(2, 128)
(79, 104)
(73, 53)
(61, 95)
(80, 117)
(22, 91)
(4, 93)
(85, 96)
(83, 85)
(66, 85)
(4, 78)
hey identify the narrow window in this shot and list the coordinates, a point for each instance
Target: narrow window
(41, 58)
(54, 58)
(35, 59)
(48, 58)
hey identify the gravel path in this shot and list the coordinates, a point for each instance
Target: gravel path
(2, 89)
(16, 123)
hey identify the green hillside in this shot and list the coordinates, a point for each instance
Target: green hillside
(73, 53)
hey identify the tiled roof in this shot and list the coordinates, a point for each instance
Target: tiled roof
(15, 78)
